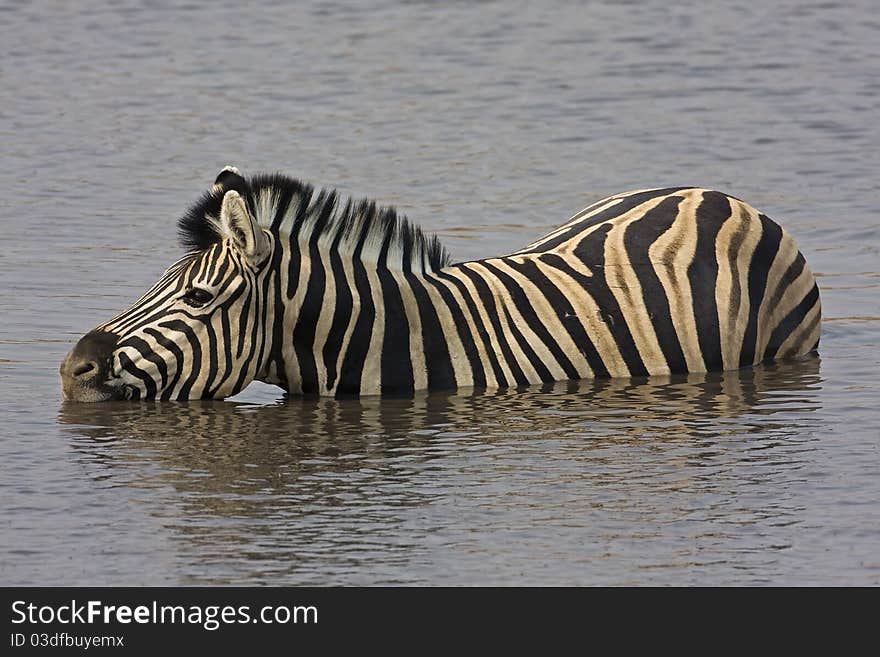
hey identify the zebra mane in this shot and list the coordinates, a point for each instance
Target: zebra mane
(318, 218)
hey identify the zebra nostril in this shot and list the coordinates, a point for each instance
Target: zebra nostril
(84, 368)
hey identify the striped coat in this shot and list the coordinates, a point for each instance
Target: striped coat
(293, 287)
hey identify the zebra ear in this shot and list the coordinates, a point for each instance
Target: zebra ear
(230, 177)
(238, 224)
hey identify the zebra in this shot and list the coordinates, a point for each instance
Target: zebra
(321, 295)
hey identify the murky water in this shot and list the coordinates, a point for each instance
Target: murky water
(489, 123)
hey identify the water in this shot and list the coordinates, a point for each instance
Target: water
(489, 123)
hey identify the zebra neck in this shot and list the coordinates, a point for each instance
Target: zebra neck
(341, 326)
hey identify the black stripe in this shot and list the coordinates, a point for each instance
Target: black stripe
(195, 353)
(406, 246)
(791, 274)
(148, 353)
(359, 343)
(245, 365)
(293, 252)
(703, 277)
(535, 323)
(478, 323)
(281, 204)
(258, 336)
(243, 324)
(343, 306)
(591, 251)
(733, 251)
(563, 308)
(213, 348)
(524, 346)
(132, 369)
(171, 346)
(759, 268)
(207, 266)
(441, 375)
(791, 322)
(224, 310)
(488, 301)
(307, 322)
(478, 375)
(812, 325)
(637, 240)
(274, 279)
(294, 264)
(396, 365)
(221, 272)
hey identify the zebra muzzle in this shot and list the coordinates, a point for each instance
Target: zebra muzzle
(86, 371)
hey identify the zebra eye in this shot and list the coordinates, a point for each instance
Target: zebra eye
(197, 297)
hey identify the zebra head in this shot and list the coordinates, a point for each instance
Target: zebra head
(198, 333)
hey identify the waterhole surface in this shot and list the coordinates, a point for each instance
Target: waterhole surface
(489, 123)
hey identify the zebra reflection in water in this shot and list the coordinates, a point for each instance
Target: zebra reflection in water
(247, 449)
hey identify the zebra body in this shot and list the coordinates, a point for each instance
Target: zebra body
(292, 287)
